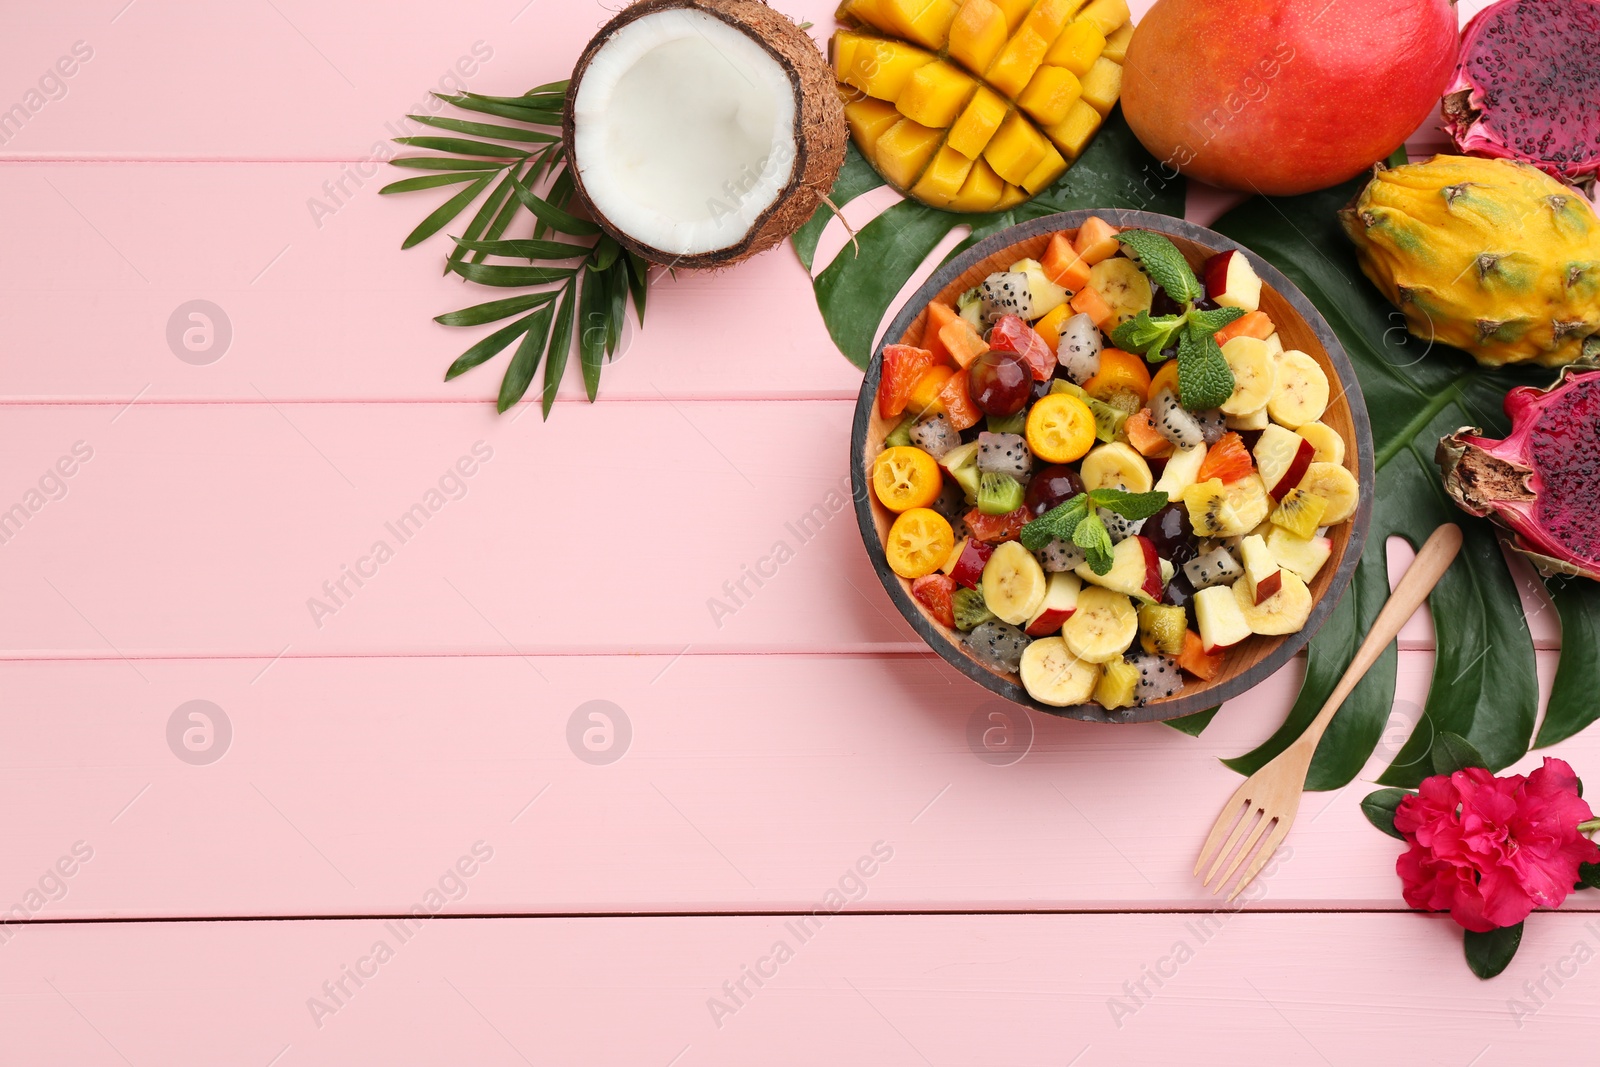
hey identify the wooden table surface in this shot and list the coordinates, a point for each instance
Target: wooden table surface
(628, 822)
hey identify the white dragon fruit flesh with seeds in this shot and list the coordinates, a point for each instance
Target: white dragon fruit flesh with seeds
(1058, 556)
(1158, 676)
(998, 645)
(1078, 352)
(1007, 293)
(1171, 421)
(935, 435)
(1004, 453)
(1217, 567)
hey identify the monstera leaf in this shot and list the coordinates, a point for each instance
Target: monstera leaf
(1484, 685)
(855, 290)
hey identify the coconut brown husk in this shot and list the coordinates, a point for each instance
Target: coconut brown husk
(819, 134)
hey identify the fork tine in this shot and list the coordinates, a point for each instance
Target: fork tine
(1267, 818)
(1250, 813)
(1269, 848)
(1220, 827)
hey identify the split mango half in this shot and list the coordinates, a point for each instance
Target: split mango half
(978, 105)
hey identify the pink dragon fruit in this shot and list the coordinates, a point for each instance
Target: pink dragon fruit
(1527, 86)
(1542, 482)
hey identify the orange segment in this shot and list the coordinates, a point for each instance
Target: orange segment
(1227, 460)
(925, 393)
(918, 542)
(905, 477)
(1060, 428)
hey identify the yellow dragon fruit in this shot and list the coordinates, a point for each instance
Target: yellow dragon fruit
(1489, 255)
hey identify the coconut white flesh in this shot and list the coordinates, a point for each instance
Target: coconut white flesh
(683, 132)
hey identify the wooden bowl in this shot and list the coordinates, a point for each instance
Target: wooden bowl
(1299, 325)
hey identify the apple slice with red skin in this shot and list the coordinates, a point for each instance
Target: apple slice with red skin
(1270, 449)
(1231, 281)
(1261, 571)
(968, 571)
(1222, 624)
(1060, 601)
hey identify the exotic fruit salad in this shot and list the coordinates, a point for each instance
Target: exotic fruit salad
(1541, 482)
(1101, 531)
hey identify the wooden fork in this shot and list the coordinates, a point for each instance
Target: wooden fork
(1270, 798)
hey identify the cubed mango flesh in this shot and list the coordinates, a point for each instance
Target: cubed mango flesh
(975, 128)
(1102, 85)
(1073, 133)
(904, 150)
(942, 181)
(1015, 12)
(1116, 48)
(978, 34)
(1050, 95)
(935, 95)
(982, 191)
(1011, 72)
(1106, 14)
(869, 119)
(1051, 167)
(882, 68)
(1017, 148)
(1078, 46)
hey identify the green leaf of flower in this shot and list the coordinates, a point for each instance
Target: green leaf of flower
(1057, 524)
(1145, 335)
(1489, 954)
(1129, 505)
(1204, 380)
(1092, 536)
(1589, 875)
(1215, 319)
(1379, 808)
(1164, 263)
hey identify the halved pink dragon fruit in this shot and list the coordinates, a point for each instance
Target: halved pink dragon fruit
(1527, 86)
(1543, 481)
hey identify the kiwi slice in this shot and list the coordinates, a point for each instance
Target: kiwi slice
(1108, 420)
(1162, 628)
(969, 609)
(1006, 424)
(967, 477)
(998, 494)
(900, 436)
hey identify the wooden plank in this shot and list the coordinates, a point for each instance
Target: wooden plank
(201, 530)
(737, 783)
(327, 307)
(903, 990)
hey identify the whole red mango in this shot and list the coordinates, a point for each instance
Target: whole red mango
(1285, 96)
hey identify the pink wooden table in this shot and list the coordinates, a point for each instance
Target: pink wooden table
(644, 896)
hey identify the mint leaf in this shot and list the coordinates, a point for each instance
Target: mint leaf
(1129, 505)
(1057, 524)
(1164, 263)
(1145, 335)
(1204, 380)
(1215, 319)
(1092, 536)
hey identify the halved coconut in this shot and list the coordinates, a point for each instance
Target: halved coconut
(703, 131)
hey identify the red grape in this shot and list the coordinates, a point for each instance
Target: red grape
(1051, 486)
(1000, 383)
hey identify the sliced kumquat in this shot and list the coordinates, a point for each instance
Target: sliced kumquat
(1120, 372)
(918, 542)
(905, 477)
(1060, 428)
(1166, 377)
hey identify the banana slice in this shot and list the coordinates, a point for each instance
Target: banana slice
(1302, 392)
(1326, 440)
(1116, 466)
(1335, 485)
(1255, 375)
(1256, 420)
(1014, 584)
(1123, 286)
(1284, 612)
(1053, 675)
(1103, 627)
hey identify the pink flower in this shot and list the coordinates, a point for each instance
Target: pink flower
(1489, 850)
